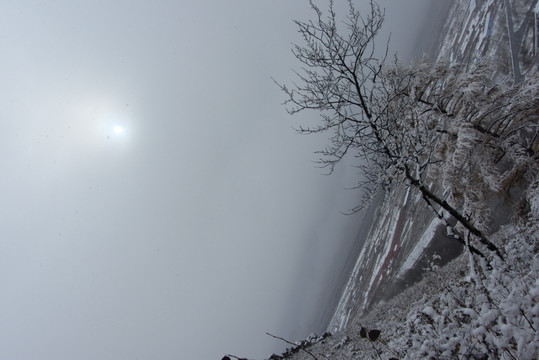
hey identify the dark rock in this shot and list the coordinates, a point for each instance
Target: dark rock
(374, 334)
(363, 332)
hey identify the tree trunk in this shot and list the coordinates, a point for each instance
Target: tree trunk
(427, 194)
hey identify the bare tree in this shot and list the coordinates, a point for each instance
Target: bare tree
(340, 78)
(395, 120)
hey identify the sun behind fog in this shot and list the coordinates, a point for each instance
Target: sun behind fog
(115, 131)
(118, 130)
(101, 124)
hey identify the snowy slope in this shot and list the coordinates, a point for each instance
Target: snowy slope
(464, 309)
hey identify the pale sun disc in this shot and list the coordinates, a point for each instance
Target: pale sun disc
(118, 129)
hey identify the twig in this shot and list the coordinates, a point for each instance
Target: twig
(291, 343)
(374, 347)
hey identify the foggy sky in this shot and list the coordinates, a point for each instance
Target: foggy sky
(200, 227)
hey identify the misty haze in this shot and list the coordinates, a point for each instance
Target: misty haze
(159, 203)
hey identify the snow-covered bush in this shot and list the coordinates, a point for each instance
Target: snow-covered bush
(491, 314)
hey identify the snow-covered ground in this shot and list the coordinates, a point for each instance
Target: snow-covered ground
(420, 247)
(392, 248)
(459, 311)
(479, 29)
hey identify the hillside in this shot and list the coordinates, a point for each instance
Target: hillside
(470, 307)
(461, 310)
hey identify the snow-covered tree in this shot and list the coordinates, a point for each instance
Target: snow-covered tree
(485, 130)
(415, 124)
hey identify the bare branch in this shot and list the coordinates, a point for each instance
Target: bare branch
(291, 343)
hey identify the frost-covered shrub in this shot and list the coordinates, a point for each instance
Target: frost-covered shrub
(492, 313)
